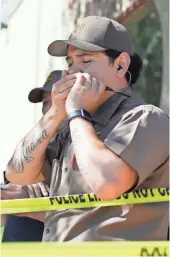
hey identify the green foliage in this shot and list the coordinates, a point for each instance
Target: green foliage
(147, 38)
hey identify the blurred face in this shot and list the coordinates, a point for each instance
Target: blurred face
(46, 105)
(46, 102)
(94, 63)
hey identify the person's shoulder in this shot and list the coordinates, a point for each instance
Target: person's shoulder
(149, 108)
(152, 112)
(157, 111)
(148, 111)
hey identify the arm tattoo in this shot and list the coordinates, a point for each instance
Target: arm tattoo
(76, 137)
(17, 164)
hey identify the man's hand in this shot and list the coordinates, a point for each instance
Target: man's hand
(60, 93)
(12, 191)
(85, 94)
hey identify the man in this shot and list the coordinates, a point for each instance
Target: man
(131, 150)
(29, 226)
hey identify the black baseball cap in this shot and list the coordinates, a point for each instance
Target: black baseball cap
(35, 95)
(95, 33)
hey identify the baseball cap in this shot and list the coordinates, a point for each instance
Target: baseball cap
(95, 33)
(35, 95)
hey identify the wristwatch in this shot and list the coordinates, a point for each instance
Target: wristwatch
(5, 181)
(80, 113)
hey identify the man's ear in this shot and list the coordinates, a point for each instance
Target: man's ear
(122, 64)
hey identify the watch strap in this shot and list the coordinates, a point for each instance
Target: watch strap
(80, 113)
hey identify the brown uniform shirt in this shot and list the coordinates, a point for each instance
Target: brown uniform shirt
(136, 132)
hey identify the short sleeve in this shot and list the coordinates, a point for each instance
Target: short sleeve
(141, 139)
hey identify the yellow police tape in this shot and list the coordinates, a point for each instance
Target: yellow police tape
(86, 249)
(83, 201)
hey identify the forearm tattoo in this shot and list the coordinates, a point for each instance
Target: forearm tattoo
(17, 162)
(76, 139)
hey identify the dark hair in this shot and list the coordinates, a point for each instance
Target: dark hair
(135, 66)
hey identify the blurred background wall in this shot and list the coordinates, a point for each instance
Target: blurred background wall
(27, 28)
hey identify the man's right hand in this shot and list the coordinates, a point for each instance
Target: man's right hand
(13, 191)
(60, 93)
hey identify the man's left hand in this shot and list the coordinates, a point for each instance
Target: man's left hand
(85, 94)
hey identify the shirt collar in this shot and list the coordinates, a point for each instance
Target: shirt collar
(106, 110)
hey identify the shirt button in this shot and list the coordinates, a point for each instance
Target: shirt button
(47, 230)
(66, 169)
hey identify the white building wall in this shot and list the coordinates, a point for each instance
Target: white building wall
(25, 63)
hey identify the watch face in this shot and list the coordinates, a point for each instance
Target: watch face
(5, 181)
(86, 115)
